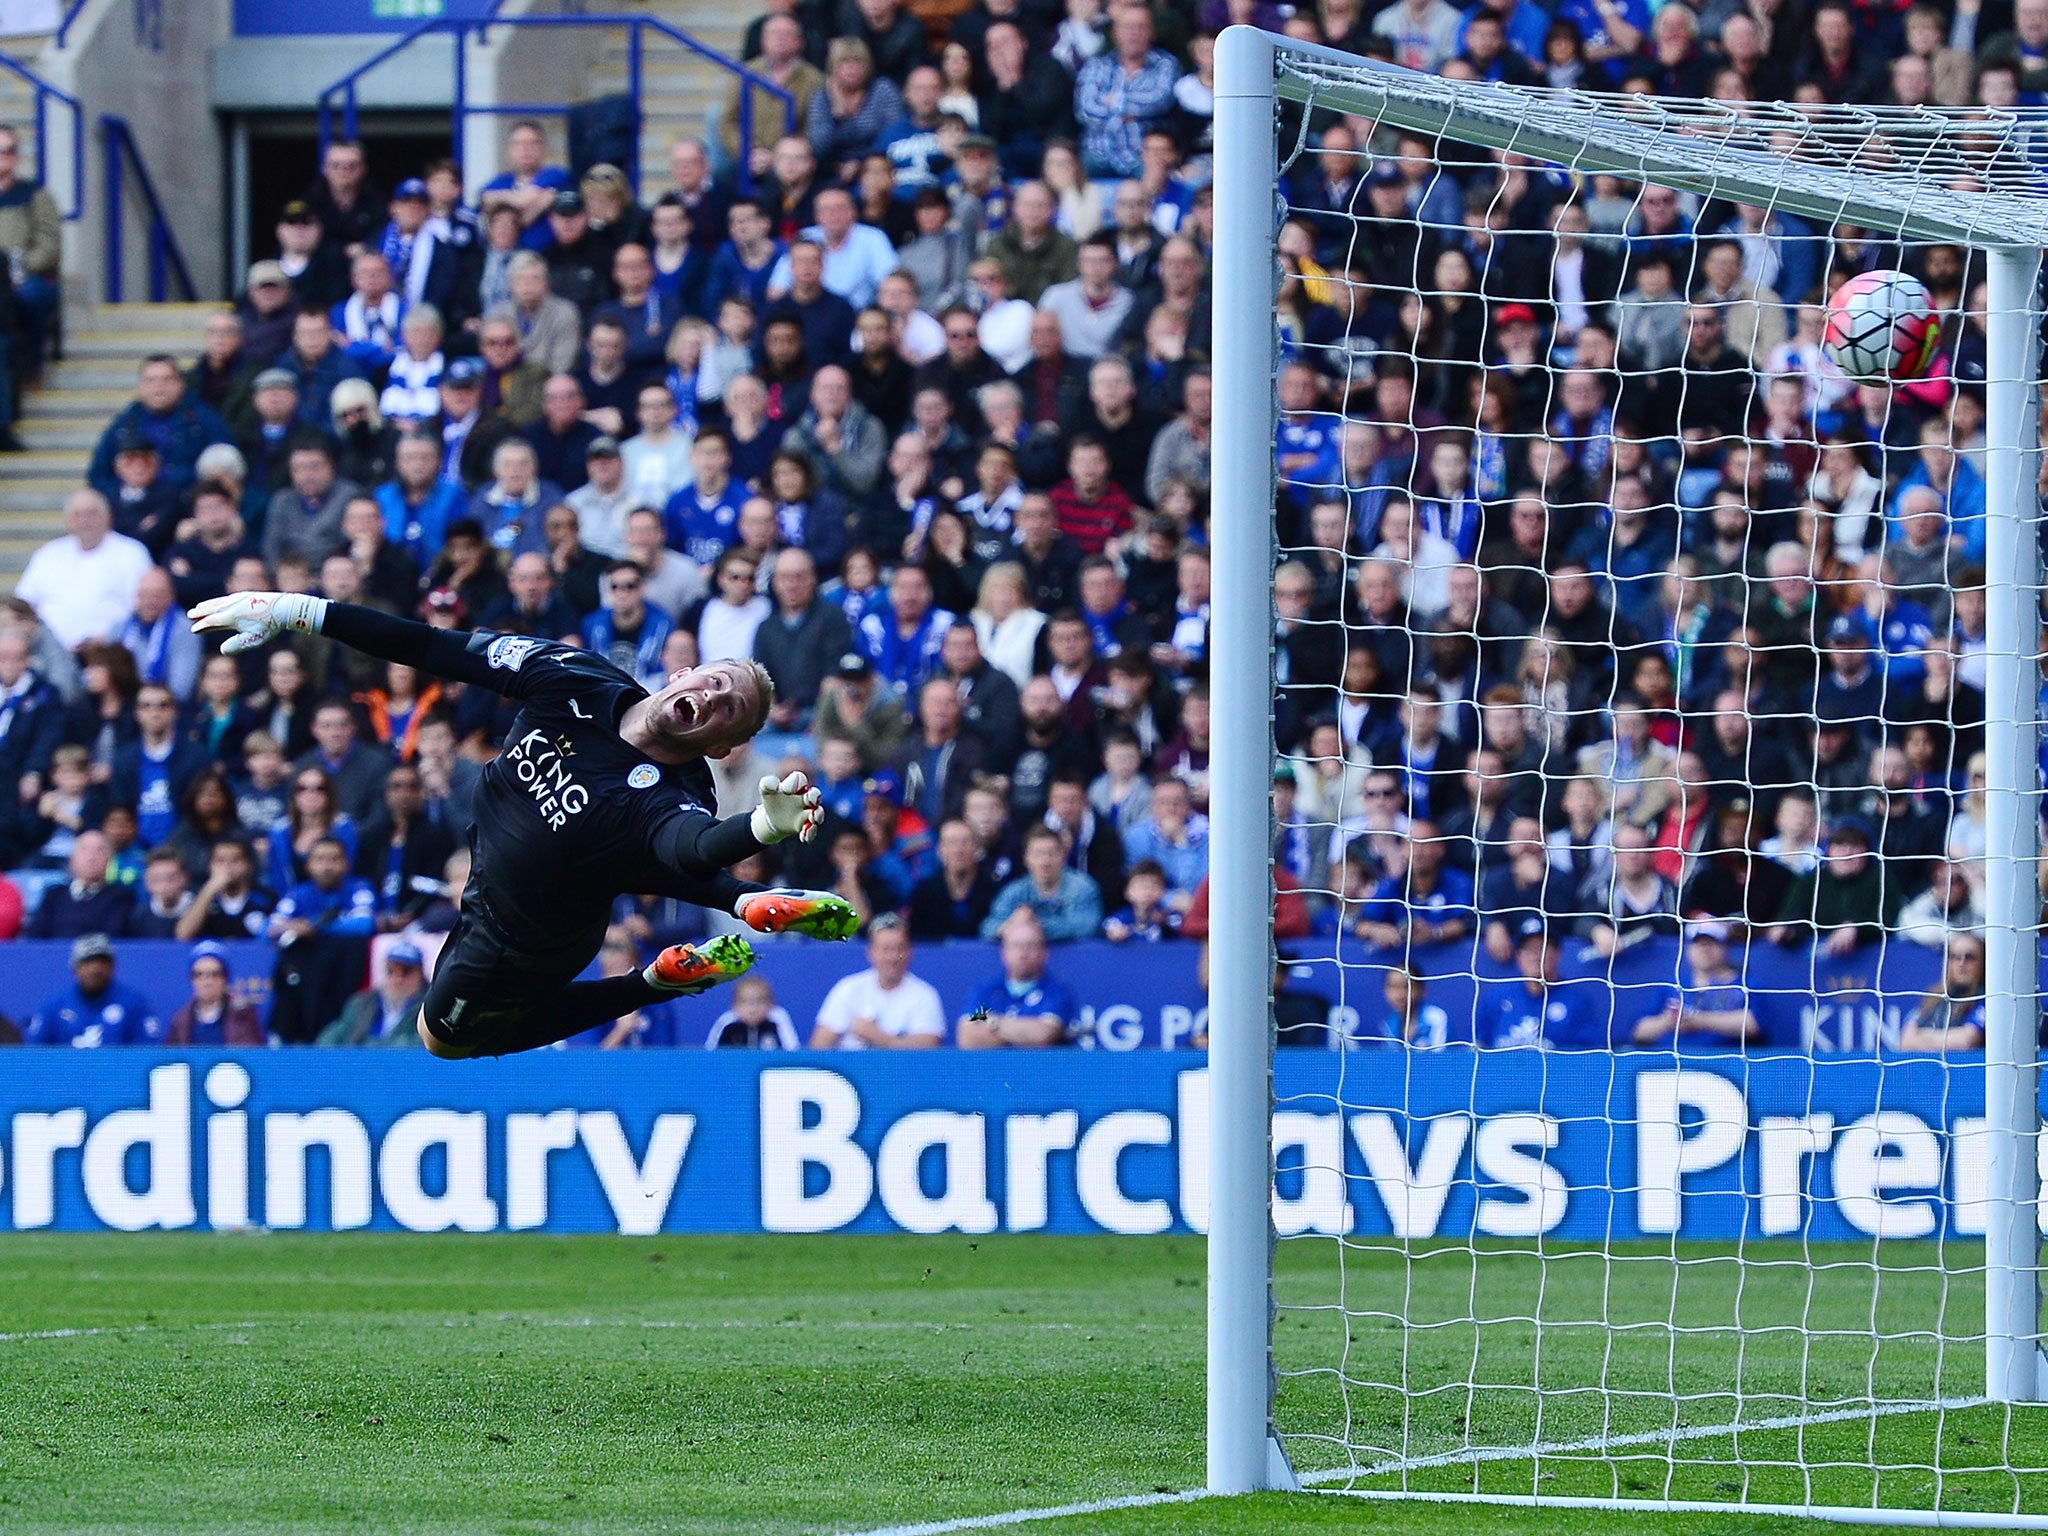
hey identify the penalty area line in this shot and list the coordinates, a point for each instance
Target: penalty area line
(1031, 1516)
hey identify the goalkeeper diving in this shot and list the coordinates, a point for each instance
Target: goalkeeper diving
(601, 788)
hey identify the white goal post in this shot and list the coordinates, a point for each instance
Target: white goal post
(1907, 174)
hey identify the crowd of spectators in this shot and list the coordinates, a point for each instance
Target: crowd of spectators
(1603, 602)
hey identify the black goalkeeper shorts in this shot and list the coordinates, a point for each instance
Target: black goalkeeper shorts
(483, 984)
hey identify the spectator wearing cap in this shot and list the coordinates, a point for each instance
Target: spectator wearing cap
(939, 255)
(426, 267)
(1120, 93)
(527, 185)
(265, 310)
(1711, 1007)
(94, 1009)
(145, 506)
(1024, 1005)
(604, 499)
(883, 1007)
(854, 703)
(388, 1013)
(267, 427)
(316, 271)
(164, 415)
(1851, 687)
(468, 438)
(979, 197)
(212, 1015)
(1843, 902)
(578, 259)
(1067, 903)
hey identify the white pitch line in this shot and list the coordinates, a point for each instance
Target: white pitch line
(91, 1333)
(1448, 1458)
(1595, 1443)
(1028, 1516)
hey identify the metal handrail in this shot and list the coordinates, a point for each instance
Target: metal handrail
(165, 259)
(45, 94)
(461, 110)
(70, 15)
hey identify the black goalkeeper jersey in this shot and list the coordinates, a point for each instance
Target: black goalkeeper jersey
(568, 815)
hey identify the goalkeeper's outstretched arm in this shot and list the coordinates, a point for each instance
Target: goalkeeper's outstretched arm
(252, 618)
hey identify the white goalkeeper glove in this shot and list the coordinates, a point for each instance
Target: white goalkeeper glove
(790, 808)
(251, 618)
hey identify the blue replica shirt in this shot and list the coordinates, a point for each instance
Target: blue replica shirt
(1900, 638)
(118, 1016)
(1568, 1015)
(1380, 1025)
(1305, 453)
(554, 178)
(1031, 999)
(350, 908)
(1697, 996)
(1392, 902)
(704, 527)
(155, 815)
(904, 661)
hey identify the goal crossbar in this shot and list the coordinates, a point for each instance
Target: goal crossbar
(1905, 161)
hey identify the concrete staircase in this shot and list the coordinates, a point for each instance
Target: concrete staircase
(63, 420)
(679, 87)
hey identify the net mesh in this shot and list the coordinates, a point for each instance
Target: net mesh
(1631, 837)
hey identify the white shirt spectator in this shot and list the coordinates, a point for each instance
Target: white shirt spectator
(911, 1007)
(656, 471)
(1087, 329)
(853, 271)
(726, 631)
(84, 592)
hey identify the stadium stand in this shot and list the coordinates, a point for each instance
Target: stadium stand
(951, 347)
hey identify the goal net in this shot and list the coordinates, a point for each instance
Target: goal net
(1647, 831)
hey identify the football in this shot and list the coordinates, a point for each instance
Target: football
(1881, 328)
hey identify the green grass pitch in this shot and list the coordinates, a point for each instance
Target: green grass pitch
(300, 1384)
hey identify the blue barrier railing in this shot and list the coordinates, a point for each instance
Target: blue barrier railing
(70, 15)
(342, 94)
(47, 93)
(165, 259)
